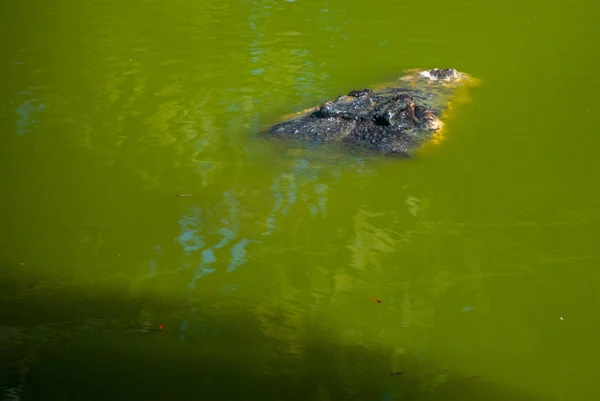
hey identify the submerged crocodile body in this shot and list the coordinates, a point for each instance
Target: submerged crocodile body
(393, 119)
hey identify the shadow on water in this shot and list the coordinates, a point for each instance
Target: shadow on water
(235, 352)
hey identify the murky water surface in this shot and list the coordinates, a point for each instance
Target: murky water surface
(264, 282)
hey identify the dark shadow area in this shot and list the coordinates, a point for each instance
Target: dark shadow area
(219, 351)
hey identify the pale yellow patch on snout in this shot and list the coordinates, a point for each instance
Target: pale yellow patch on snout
(460, 95)
(300, 113)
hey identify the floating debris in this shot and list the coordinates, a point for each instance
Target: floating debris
(184, 195)
(395, 373)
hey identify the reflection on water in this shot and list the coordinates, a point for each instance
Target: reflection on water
(27, 115)
(193, 232)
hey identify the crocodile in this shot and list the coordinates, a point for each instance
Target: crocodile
(391, 119)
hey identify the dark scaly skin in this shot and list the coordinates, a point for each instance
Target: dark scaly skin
(394, 119)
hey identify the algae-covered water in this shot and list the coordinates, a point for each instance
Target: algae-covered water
(295, 273)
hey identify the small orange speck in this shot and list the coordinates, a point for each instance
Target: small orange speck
(378, 301)
(160, 326)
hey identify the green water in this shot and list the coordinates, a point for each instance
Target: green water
(483, 249)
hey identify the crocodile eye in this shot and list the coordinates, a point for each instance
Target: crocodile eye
(326, 110)
(360, 93)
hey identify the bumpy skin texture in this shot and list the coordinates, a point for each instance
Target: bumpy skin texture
(394, 119)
